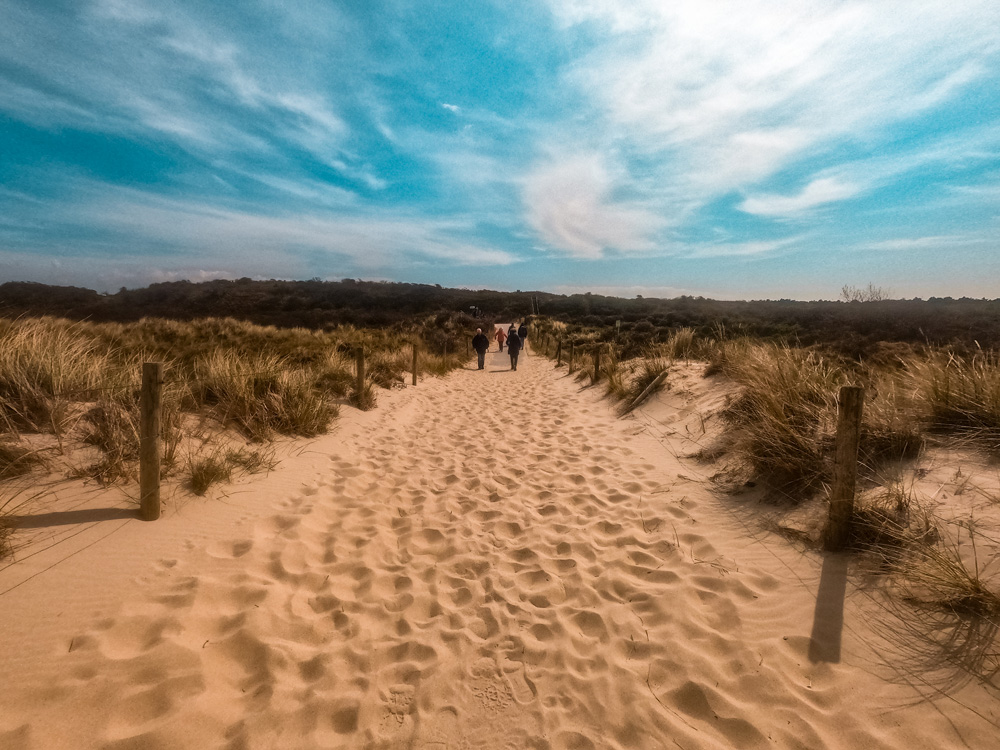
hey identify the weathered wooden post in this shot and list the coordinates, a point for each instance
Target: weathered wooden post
(149, 440)
(845, 466)
(597, 364)
(360, 371)
(559, 353)
(572, 348)
(414, 363)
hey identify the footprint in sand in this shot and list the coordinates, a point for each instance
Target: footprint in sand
(512, 667)
(229, 549)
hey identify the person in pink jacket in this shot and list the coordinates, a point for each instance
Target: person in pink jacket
(501, 337)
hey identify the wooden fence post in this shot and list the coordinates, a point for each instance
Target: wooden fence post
(559, 353)
(845, 466)
(414, 363)
(572, 348)
(149, 441)
(597, 364)
(360, 371)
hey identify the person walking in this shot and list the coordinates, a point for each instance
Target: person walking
(522, 333)
(501, 337)
(513, 347)
(480, 343)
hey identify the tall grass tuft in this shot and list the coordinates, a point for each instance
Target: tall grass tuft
(363, 399)
(780, 415)
(218, 466)
(261, 394)
(205, 471)
(113, 427)
(44, 365)
(961, 395)
(937, 576)
(16, 459)
(887, 520)
(682, 344)
(615, 374)
(891, 429)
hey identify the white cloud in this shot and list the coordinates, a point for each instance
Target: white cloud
(369, 241)
(176, 234)
(816, 193)
(724, 95)
(167, 71)
(940, 241)
(737, 249)
(570, 203)
(451, 107)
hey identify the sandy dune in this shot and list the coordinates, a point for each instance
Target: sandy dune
(490, 560)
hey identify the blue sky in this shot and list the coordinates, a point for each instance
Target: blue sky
(737, 150)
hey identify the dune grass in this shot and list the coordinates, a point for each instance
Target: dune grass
(961, 396)
(17, 459)
(262, 394)
(59, 377)
(45, 365)
(218, 466)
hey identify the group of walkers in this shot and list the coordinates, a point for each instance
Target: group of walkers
(515, 338)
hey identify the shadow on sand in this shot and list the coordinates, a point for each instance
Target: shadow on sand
(67, 517)
(828, 620)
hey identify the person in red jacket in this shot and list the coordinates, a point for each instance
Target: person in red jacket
(501, 337)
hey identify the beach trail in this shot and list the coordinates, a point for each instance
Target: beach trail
(491, 560)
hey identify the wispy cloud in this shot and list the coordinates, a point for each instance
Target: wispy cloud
(729, 94)
(853, 178)
(370, 242)
(939, 242)
(170, 70)
(738, 249)
(570, 203)
(816, 193)
(174, 230)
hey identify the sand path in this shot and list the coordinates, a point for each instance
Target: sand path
(489, 560)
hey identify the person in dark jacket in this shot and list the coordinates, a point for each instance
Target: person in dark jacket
(522, 333)
(513, 347)
(480, 343)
